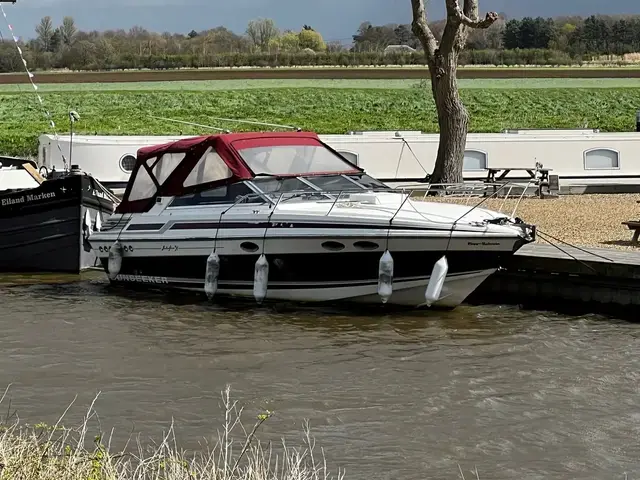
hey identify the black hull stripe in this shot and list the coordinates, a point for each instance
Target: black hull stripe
(199, 284)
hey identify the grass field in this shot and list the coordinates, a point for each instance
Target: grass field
(347, 105)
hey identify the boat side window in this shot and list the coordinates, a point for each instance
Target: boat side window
(162, 167)
(292, 159)
(143, 186)
(210, 168)
(226, 194)
(601, 159)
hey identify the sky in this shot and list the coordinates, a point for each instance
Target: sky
(335, 19)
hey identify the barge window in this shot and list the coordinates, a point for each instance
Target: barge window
(474, 160)
(601, 159)
(127, 162)
(352, 157)
(210, 168)
(226, 194)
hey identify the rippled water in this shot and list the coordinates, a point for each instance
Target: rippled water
(403, 396)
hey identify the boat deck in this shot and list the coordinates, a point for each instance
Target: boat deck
(542, 255)
(545, 276)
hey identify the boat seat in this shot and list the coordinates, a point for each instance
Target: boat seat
(635, 226)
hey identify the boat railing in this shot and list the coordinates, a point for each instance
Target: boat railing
(460, 193)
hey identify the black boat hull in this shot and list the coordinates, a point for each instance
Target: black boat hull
(43, 229)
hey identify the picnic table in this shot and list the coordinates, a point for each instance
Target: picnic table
(537, 173)
(634, 226)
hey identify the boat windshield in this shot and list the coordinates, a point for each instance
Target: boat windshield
(296, 159)
(279, 189)
(323, 186)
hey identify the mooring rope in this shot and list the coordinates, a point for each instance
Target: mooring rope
(52, 124)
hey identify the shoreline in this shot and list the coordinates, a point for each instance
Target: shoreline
(318, 73)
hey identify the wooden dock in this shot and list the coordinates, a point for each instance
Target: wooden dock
(596, 278)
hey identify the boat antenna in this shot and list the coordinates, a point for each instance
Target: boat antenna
(191, 123)
(297, 129)
(52, 124)
(73, 118)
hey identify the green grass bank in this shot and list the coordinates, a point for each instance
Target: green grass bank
(113, 110)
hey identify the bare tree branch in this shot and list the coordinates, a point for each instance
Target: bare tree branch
(421, 29)
(469, 16)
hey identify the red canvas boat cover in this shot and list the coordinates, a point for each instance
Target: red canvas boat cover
(200, 163)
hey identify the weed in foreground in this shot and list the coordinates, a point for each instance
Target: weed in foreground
(43, 452)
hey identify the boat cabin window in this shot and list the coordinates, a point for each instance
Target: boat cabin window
(143, 184)
(210, 168)
(227, 194)
(165, 165)
(291, 159)
(601, 159)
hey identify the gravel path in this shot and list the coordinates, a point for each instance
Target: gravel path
(584, 220)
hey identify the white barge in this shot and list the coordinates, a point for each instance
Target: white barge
(581, 157)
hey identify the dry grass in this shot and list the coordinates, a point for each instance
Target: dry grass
(44, 452)
(584, 220)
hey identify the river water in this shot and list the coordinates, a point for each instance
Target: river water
(517, 394)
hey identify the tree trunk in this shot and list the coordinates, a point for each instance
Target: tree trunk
(453, 120)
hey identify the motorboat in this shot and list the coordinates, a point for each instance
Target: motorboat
(45, 222)
(283, 216)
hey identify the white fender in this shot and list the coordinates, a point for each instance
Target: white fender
(436, 281)
(88, 230)
(385, 276)
(115, 260)
(211, 275)
(261, 278)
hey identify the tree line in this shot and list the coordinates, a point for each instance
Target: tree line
(529, 41)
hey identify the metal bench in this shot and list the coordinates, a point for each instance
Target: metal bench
(635, 226)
